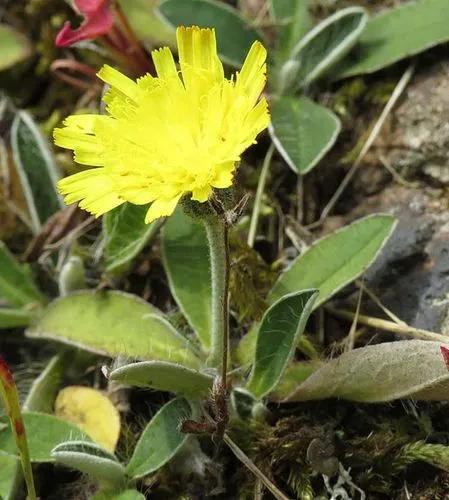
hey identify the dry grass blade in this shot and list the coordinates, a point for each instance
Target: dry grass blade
(389, 326)
(254, 469)
(378, 303)
(259, 193)
(352, 332)
(399, 89)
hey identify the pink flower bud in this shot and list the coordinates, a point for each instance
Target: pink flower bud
(98, 20)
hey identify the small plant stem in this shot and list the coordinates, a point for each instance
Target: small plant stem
(389, 326)
(254, 469)
(217, 235)
(79, 75)
(353, 329)
(259, 193)
(396, 176)
(137, 49)
(258, 490)
(8, 392)
(118, 53)
(217, 230)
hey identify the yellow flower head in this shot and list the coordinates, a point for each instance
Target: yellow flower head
(170, 135)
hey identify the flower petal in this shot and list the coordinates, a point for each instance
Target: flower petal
(161, 207)
(252, 77)
(119, 81)
(94, 190)
(85, 123)
(257, 120)
(197, 49)
(88, 150)
(168, 135)
(90, 6)
(224, 175)
(165, 64)
(202, 194)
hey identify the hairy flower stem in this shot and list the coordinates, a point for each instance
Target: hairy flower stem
(217, 234)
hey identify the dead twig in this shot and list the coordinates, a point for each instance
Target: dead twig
(247, 462)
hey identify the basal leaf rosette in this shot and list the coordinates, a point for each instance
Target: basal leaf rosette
(180, 133)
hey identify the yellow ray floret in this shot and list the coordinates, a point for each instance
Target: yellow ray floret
(180, 133)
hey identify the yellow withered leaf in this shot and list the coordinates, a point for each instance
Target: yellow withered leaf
(92, 412)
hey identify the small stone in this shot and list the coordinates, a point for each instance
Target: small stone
(320, 455)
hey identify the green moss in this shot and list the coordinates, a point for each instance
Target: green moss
(383, 446)
(251, 279)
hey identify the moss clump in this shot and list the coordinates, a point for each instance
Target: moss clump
(251, 279)
(378, 448)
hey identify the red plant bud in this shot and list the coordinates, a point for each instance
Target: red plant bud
(98, 20)
(5, 373)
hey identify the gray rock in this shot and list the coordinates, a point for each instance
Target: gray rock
(420, 142)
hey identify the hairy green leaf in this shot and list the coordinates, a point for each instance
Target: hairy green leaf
(164, 377)
(92, 460)
(44, 432)
(186, 261)
(244, 352)
(334, 261)
(160, 440)
(281, 326)
(396, 34)
(42, 394)
(328, 42)
(37, 169)
(16, 284)
(292, 20)
(8, 467)
(234, 35)
(146, 23)
(384, 372)
(14, 47)
(302, 131)
(125, 234)
(13, 318)
(294, 374)
(113, 323)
